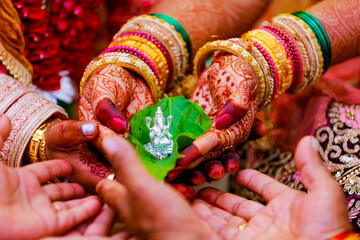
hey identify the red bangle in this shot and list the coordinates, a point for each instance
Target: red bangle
(347, 236)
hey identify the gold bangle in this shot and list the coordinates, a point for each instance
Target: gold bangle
(127, 61)
(279, 55)
(151, 51)
(224, 45)
(37, 143)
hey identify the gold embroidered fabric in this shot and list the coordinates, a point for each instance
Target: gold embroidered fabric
(340, 151)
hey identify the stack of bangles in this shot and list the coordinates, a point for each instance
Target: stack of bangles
(348, 235)
(287, 54)
(154, 46)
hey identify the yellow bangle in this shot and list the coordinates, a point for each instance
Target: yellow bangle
(279, 55)
(224, 45)
(127, 61)
(151, 51)
(37, 143)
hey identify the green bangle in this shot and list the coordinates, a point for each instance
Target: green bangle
(321, 36)
(179, 28)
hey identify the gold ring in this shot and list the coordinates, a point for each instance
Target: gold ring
(57, 207)
(242, 226)
(111, 176)
(231, 140)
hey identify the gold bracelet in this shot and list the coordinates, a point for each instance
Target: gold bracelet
(37, 143)
(279, 55)
(224, 45)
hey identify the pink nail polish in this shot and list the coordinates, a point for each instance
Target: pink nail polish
(118, 125)
(224, 121)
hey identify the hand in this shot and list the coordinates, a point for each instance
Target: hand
(67, 140)
(149, 209)
(112, 96)
(30, 210)
(289, 214)
(228, 92)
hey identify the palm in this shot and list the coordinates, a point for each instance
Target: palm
(27, 207)
(289, 214)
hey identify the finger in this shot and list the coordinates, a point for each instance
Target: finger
(102, 224)
(186, 191)
(197, 177)
(235, 108)
(230, 219)
(70, 133)
(63, 191)
(5, 127)
(141, 98)
(214, 169)
(314, 175)
(76, 214)
(263, 185)
(46, 171)
(219, 225)
(126, 163)
(231, 203)
(258, 130)
(114, 194)
(108, 114)
(231, 162)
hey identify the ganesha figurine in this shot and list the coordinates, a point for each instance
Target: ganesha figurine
(161, 144)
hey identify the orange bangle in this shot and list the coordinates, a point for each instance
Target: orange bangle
(351, 235)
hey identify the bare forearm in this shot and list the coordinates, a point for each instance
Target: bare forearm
(204, 19)
(341, 20)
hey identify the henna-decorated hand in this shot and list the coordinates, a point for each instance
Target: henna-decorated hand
(67, 140)
(111, 97)
(228, 92)
(30, 210)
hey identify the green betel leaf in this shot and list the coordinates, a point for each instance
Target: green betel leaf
(189, 122)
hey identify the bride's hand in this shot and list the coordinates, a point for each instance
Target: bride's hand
(228, 92)
(111, 97)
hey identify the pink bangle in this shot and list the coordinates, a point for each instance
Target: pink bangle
(156, 42)
(294, 53)
(136, 53)
(271, 64)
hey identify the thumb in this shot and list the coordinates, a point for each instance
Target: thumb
(70, 133)
(314, 175)
(126, 164)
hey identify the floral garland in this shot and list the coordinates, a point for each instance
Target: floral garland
(58, 39)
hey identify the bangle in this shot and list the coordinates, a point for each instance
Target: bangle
(312, 47)
(321, 36)
(125, 60)
(165, 33)
(37, 143)
(179, 28)
(303, 53)
(264, 65)
(348, 235)
(278, 55)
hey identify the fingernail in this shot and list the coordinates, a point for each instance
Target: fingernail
(315, 144)
(88, 129)
(224, 121)
(118, 125)
(110, 145)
